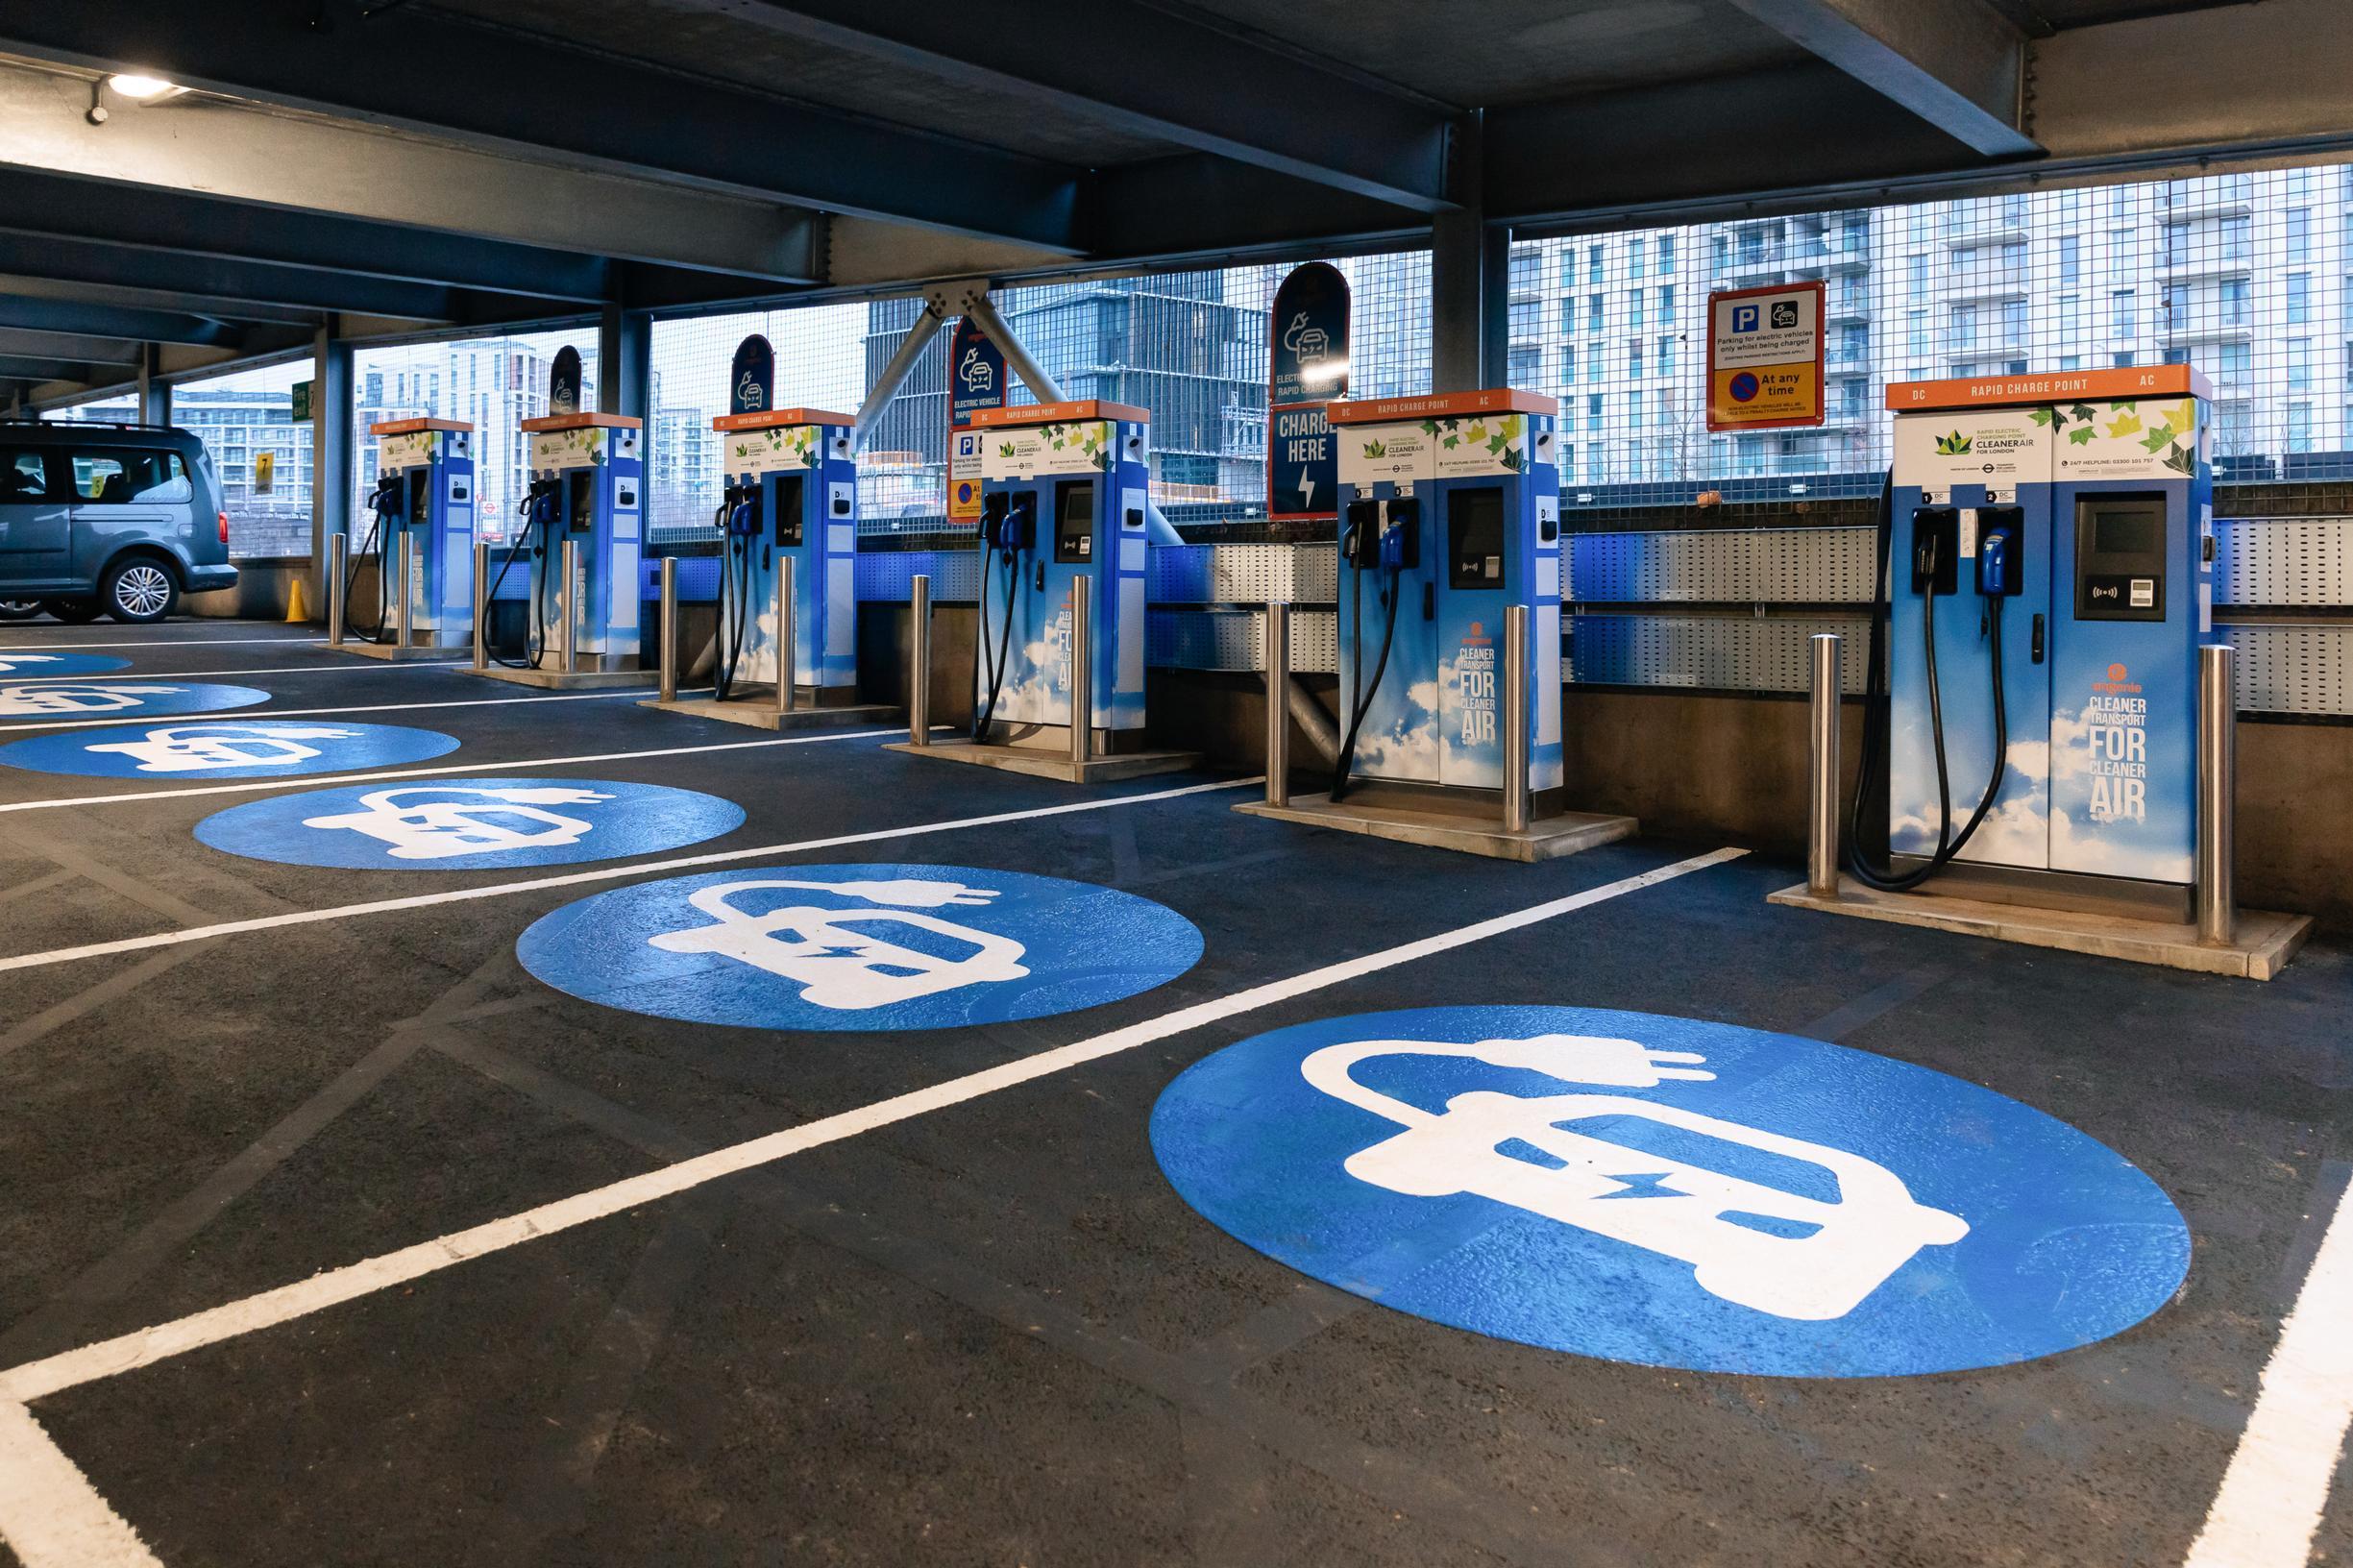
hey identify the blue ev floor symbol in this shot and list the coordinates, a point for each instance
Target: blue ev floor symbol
(861, 948)
(124, 700)
(460, 824)
(44, 665)
(1670, 1191)
(226, 749)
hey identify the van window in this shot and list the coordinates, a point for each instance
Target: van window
(130, 475)
(23, 476)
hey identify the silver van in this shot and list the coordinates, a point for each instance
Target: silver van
(99, 519)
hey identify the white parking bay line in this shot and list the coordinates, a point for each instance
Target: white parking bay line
(50, 1514)
(606, 874)
(109, 1358)
(2277, 1484)
(320, 781)
(235, 716)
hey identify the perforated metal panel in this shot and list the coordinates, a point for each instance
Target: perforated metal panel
(1717, 652)
(1244, 574)
(1724, 566)
(888, 576)
(1235, 640)
(2294, 669)
(2285, 560)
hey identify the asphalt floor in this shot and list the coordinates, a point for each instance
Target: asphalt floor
(987, 1331)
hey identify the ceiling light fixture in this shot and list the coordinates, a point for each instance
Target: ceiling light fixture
(138, 86)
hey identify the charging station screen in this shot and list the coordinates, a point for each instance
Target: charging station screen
(1474, 538)
(2134, 532)
(1074, 521)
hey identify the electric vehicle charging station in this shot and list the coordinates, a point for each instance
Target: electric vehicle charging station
(423, 510)
(1059, 659)
(788, 524)
(580, 535)
(2046, 581)
(1449, 631)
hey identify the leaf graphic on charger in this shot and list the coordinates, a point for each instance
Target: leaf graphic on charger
(2081, 435)
(2127, 423)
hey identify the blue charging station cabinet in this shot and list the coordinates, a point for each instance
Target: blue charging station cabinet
(792, 494)
(425, 478)
(2056, 533)
(588, 488)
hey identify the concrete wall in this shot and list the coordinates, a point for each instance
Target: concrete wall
(263, 590)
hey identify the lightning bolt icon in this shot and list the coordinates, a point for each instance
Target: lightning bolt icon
(1651, 1185)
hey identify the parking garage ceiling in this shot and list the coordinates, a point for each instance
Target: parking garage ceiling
(408, 164)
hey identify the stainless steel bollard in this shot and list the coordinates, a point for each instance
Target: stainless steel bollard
(1278, 704)
(567, 604)
(1821, 780)
(1516, 739)
(668, 630)
(336, 546)
(919, 661)
(401, 624)
(1082, 671)
(481, 603)
(2218, 796)
(785, 651)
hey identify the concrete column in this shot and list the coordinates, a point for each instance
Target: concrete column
(625, 363)
(154, 395)
(332, 476)
(1470, 279)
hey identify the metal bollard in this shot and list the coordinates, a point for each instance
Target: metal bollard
(567, 608)
(669, 631)
(481, 603)
(785, 651)
(402, 626)
(1515, 719)
(1082, 671)
(2218, 796)
(919, 674)
(337, 546)
(1278, 704)
(1821, 783)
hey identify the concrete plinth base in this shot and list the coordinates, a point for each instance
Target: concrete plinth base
(2265, 942)
(576, 681)
(1040, 763)
(758, 711)
(1548, 838)
(393, 652)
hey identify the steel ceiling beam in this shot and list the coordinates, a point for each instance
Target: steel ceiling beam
(243, 152)
(83, 261)
(71, 318)
(36, 201)
(424, 72)
(1197, 84)
(88, 373)
(159, 300)
(36, 345)
(1958, 65)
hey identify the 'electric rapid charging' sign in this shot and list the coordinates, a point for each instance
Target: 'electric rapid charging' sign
(1670, 1191)
(1308, 368)
(1764, 357)
(977, 380)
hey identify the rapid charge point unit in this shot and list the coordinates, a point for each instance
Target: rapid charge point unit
(2081, 508)
(1450, 515)
(588, 488)
(791, 494)
(1065, 490)
(425, 497)
(2046, 582)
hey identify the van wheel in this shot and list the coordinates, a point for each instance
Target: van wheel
(19, 609)
(73, 612)
(138, 590)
